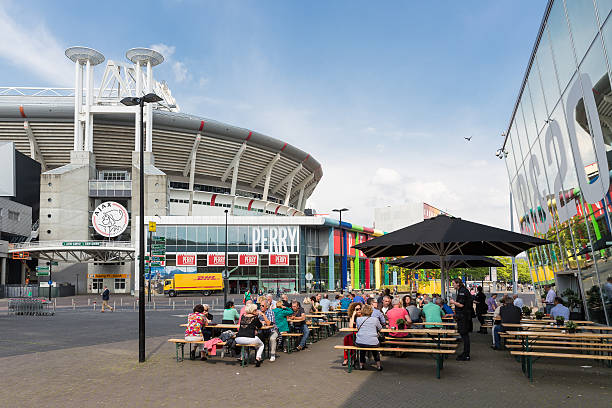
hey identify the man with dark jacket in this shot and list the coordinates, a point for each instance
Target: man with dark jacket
(463, 316)
(105, 299)
(509, 314)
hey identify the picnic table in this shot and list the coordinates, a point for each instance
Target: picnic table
(436, 348)
(581, 343)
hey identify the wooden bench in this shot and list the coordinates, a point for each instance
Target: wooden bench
(245, 352)
(420, 338)
(417, 344)
(180, 344)
(438, 354)
(574, 343)
(526, 358)
(594, 347)
(291, 337)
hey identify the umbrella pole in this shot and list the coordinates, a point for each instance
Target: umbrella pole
(442, 278)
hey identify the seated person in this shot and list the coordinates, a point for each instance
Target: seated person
(345, 302)
(448, 311)
(299, 323)
(508, 314)
(396, 313)
(206, 331)
(249, 323)
(354, 311)
(559, 309)
(195, 322)
(325, 303)
(432, 313)
(230, 314)
(367, 335)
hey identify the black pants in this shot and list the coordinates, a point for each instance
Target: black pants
(362, 353)
(465, 337)
(481, 320)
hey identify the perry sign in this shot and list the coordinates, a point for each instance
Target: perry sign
(279, 259)
(215, 259)
(281, 239)
(186, 260)
(248, 259)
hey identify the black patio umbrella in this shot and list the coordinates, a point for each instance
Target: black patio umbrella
(450, 262)
(443, 236)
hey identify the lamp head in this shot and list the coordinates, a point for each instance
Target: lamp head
(130, 101)
(151, 97)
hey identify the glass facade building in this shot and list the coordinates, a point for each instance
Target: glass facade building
(312, 246)
(558, 153)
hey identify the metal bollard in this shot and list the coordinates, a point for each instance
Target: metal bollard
(169, 301)
(121, 302)
(73, 305)
(94, 306)
(201, 301)
(173, 305)
(185, 302)
(153, 305)
(114, 305)
(88, 302)
(193, 303)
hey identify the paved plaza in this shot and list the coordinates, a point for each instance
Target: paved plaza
(82, 358)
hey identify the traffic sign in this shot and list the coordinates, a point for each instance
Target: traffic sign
(42, 273)
(156, 264)
(159, 252)
(50, 282)
(53, 263)
(152, 226)
(159, 239)
(42, 268)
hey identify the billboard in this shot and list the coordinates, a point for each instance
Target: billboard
(279, 259)
(186, 259)
(248, 259)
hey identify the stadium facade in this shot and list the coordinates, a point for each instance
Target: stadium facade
(87, 144)
(558, 152)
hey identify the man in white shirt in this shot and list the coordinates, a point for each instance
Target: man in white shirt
(386, 305)
(271, 302)
(518, 302)
(325, 303)
(550, 298)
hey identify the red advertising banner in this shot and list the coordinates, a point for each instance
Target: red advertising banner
(187, 260)
(215, 259)
(248, 259)
(279, 259)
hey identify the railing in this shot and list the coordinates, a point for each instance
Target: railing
(110, 188)
(33, 246)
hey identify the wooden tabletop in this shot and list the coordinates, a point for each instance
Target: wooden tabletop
(412, 331)
(436, 323)
(226, 326)
(558, 334)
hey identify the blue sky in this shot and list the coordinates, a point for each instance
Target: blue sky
(381, 93)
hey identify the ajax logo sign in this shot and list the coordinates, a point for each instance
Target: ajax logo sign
(110, 219)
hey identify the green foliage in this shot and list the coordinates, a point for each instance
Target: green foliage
(526, 311)
(539, 315)
(571, 326)
(572, 298)
(560, 320)
(505, 274)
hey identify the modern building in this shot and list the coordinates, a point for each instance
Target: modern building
(19, 205)
(88, 145)
(392, 218)
(558, 152)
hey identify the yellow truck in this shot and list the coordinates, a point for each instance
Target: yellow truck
(192, 283)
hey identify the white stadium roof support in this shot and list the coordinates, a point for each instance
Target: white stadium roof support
(192, 157)
(35, 153)
(288, 179)
(307, 192)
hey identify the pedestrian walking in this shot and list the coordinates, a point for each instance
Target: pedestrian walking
(105, 299)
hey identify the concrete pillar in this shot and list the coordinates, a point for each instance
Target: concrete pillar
(23, 273)
(2, 271)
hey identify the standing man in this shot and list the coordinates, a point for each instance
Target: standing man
(550, 298)
(105, 299)
(463, 316)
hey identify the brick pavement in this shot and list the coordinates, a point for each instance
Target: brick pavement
(107, 374)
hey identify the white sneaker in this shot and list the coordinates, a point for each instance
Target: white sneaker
(272, 358)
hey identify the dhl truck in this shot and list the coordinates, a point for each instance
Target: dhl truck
(192, 283)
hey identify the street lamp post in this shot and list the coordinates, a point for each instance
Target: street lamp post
(225, 272)
(140, 101)
(342, 279)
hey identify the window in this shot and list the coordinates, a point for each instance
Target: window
(120, 283)
(97, 284)
(113, 175)
(13, 215)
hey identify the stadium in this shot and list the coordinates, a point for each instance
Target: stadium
(87, 145)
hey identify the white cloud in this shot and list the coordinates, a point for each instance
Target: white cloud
(27, 43)
(203, 81)
(166, 50)
(386, 177)
(180, 71)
